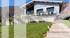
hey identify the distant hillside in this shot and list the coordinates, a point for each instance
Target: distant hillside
(16, 10)
(5, 13)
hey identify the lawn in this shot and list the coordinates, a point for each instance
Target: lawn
(37, 30)
(67, 22)
(33, 30)
(0, 31)
(13, 31)
(6, 31)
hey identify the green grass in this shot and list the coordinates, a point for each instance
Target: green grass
(34, 30)
(0, 30)
(11, 31)
(19, 30)
(37, 30)
(67, 22)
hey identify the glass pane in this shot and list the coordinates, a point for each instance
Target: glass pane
(50, 10)
(40, 12)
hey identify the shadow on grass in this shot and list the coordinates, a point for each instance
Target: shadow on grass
(11, 31)
(0, 30)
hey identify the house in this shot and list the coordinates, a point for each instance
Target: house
(34, 7)
(44, 7)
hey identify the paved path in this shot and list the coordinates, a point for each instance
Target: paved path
(58, 30)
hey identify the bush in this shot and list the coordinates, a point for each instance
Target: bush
(41, 21)
(33, 22)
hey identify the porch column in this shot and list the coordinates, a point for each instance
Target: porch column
(44, 9)
(35, 12)
(57, 10)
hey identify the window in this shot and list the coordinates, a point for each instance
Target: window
(50, 10)
(39, 12)
(29, 12)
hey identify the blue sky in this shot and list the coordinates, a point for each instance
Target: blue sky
(11, 2)
(67, 1)
(28, 1)
(21, 2)
(4, 3)
(0, 2)
(17, 2)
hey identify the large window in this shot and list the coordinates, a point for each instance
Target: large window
(50, 10)
(29, 12)
(40, 12)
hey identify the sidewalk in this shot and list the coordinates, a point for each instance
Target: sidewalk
(58, 30)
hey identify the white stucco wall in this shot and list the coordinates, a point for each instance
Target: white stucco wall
(39, 6)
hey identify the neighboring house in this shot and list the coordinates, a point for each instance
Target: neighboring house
(44, 7)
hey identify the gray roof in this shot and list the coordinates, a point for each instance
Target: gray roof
(55, 1)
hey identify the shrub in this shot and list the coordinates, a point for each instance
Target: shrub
(41, 21)
(33, 22)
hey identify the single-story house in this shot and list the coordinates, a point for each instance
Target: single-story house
(44, 7)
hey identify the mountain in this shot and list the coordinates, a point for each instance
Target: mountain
(11, 9)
